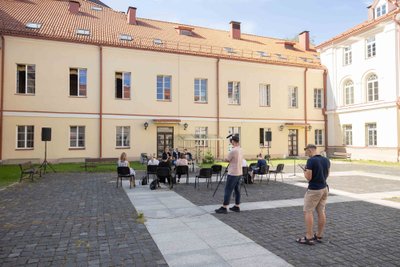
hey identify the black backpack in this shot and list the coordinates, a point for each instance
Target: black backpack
(144, 180)
(153, 185)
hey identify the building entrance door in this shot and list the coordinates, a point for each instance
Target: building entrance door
(292, 142)
(165, 138)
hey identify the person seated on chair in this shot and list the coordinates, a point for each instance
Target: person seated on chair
(182, 161)
(164, 163)
(175, 156)
(260, 162)
(244, 163)
(153, 160)
(123, 162)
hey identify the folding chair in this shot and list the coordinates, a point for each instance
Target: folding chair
(279, 169)
(151, 170)
(205, 173)
(182, 170)
(216, 169)
(125, 172)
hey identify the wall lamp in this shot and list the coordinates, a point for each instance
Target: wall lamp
(309, 127)
(146, 124)
(185, 125)
(281, 127)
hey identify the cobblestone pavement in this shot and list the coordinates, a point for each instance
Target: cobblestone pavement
(73, 220)
(362, 184)
(357, 234)
(256, 192)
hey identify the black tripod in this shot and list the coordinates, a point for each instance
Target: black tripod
(224, 176)
(45, 163)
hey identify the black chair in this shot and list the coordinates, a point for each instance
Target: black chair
(245, 178)
(151, 170)
(125, 172)
(164, 173)
(263, 170)
(216, 169)
(279, 169)
(182, 170)
(205, 173)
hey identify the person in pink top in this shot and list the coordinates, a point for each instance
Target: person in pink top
(235, 159)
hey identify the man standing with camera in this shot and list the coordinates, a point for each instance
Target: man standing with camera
(235, 172)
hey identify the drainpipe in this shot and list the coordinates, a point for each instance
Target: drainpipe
(397, 50)
(3, 43)
(101, 103)
(324, 109)
(305, 107)
(218, 107)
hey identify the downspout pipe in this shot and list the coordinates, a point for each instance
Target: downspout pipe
(397, 50)
(325, 77)
(218, 115)
(101, 104)
(3, 46)
(305, 108)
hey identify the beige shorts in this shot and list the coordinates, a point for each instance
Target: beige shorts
(315, 199)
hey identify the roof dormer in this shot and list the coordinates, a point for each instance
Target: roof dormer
(184, 30)
(380, 8)
(287, 44)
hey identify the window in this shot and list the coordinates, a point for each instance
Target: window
(262, 54)
(77, 82)
(292, 97)
(347, 56)
(123, 85)
(372, 88)
(318, 137)
(200, 134)
(229, 50)
(318, 98)
(163, 87)
(348, 92)
(125, 37)
(26, 79)
(370, 47)
(200, 90)
(234, 130)
(265, 95)
(97, 8)
(380, 10)
(33, 25)
(123, 136)
(77, 137)
(234, 93)
(83, 32)
(25, 136)
(371, 133)
(348, 135)
(157, 42)
(263, 137)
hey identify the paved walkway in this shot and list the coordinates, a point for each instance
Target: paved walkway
(84, 220)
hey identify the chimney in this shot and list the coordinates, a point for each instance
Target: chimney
(74, 6)
(132, 15)
(235, 29)
(304, 40)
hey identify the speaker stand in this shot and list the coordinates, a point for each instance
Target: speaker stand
(294, 167)
(45, 163)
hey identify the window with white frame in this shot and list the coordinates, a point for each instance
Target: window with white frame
(318, 137)
(200, 90)
(163, 87)
(77, 136)
(347, 56)
(122, 85)
(26, 79)
(234, 93)
(25, 136)
(234, 131)
(370, 48)
(348, 134)
(265, 95)
(263, 137)
(348, 92)
(372, 134)
(380, 10)
(372, 88)
(293, 91)
(201, 134)
(123, 136)
(318, 98)
(77, 81)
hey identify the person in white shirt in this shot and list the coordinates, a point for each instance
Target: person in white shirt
(153, 161)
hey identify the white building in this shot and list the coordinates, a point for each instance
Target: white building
(363, 86)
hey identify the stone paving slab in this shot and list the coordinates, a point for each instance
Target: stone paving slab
(77, 219)
(256, 192)
(357, 234)
(362, 184)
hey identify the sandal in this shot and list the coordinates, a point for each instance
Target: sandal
(318, 238)
(305, 241)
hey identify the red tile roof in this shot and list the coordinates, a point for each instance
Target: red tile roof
(107, 25)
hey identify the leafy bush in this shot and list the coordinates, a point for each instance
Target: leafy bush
(208, 158)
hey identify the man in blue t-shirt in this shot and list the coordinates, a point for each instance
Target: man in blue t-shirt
(316, 172)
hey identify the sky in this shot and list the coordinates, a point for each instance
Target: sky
(271, 18)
